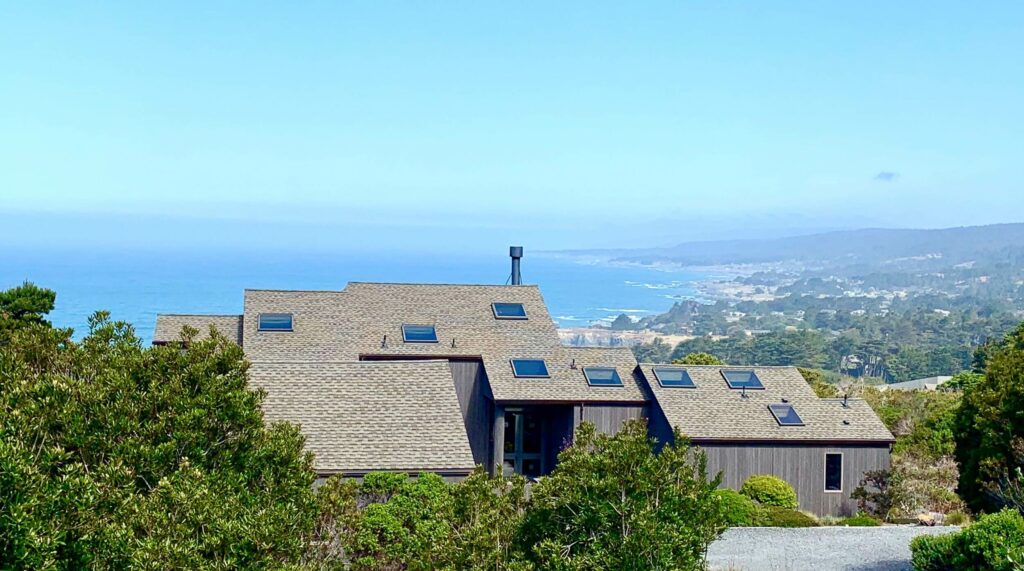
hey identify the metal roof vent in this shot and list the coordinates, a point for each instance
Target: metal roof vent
(516, 252)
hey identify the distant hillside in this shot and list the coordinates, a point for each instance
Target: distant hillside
(867, 248)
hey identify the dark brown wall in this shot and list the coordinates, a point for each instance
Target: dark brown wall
(607, 418)
(803, 466)
(477, 408)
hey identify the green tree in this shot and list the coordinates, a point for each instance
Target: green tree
(613, 503)
(656, 351)
(24, 305)
(699, 359)
(989, 427)
(816, 378)
(117, 456)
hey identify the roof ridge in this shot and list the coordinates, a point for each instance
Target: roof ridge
(201, 314)
(443, 284)
(347, 362)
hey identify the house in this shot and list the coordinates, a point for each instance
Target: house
(927, 384)
(444, 377)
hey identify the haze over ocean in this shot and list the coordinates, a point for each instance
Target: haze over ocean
(134, 286)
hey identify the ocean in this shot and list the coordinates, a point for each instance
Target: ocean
(136, 285)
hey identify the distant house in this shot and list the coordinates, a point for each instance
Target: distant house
(927, 384)
(440, 378)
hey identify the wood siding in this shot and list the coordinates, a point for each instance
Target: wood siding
(803, 466)
(477, 408)
(607, 418)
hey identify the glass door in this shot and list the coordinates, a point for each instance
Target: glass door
(523, 437)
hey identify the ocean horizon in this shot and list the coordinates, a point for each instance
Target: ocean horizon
(135, 285)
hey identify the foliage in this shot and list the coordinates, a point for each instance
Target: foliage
(923, 475)
(962, 381)
(989, 428)
(822, 387)
(656, 351)
(24, 305)
(933, 552)
(957, 517)
(115, 456)
(612, 503)
(877, 493)
(775, 516)
(738, 510)
(994, 542)
(698, 359)
(862, 520)
(769, 490)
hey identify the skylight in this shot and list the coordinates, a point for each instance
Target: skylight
(508, 310)
(674, 377)
(274, 322)
(742, 380)
(786, 414)
(602, 376)
(419, 333)
(529, 368)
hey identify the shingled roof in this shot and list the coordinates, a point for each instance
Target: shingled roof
(364, 416)
(169, 326)
(365, 321)
(713, 411)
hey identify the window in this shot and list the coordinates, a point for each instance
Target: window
(529, 368)
(602, 376)
(419, 334)
(833, 472)
(674, 377)
(786, 414)
(742, 380)
(508, 310)
(275, 322)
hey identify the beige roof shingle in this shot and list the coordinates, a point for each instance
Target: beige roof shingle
(169, 326)
(365, 320)
(713, 411)
(365, 416)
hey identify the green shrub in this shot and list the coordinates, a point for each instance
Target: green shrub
(987, 543)
(774, 516)
(861, 520)
(738, 510)
(957, 518)
(769, 490)
(993, 542)
(933, 552)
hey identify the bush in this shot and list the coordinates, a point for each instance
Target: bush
(991, 543)
(769, 490)
(933, 552)
(612, 503)
(739, 510)
(774, 516)
(861, 520)
(957, 518)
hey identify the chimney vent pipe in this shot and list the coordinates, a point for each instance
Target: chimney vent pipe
(516, 252)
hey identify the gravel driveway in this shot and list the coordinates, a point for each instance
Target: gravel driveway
(817, 548)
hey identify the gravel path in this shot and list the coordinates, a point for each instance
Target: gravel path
(817, 548)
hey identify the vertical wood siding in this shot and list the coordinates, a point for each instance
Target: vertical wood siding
(609, 418)
(803, 466)
(477, 409)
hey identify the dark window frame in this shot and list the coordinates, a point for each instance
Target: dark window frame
(615, 373)
(498, 315)
(260, 327)
(753, 375)
(515, 373)
(405, 335)
(778, 418)
(673, 384)
(833, 490)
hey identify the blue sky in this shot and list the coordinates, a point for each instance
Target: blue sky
(390, 125)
